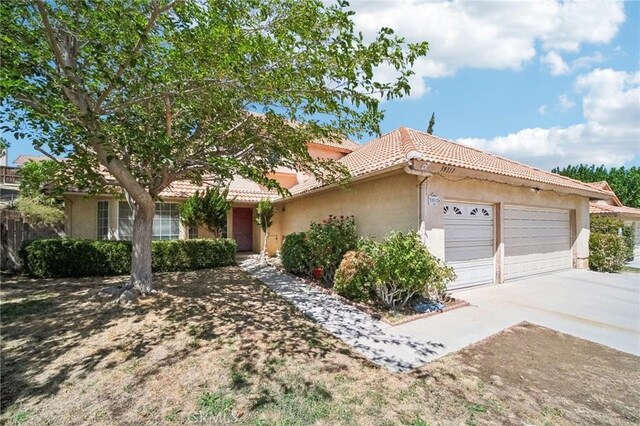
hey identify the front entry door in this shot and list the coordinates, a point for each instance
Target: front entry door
(243, 228)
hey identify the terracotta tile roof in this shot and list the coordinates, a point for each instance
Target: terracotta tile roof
(402, 144)
(604, 186)
(22, 159)
(346, 144)
(606, 209)
(240, 189)
(395, 149)
(379, 154)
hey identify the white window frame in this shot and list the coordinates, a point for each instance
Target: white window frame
(100, 226)
(155, 236)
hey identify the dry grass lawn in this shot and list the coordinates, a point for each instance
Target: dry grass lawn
(217, 347)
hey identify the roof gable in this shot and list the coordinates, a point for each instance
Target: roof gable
(403, 144)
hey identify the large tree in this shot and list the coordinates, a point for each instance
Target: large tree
(138, 94)
(624, 182)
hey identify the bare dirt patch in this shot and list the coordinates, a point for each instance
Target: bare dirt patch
(565, 378)
(217, 347)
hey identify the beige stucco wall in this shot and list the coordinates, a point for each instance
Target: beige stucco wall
(380, 205)
(478, 190)
(391, 202)
(82, 217)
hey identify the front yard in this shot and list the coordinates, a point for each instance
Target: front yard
(218, 347)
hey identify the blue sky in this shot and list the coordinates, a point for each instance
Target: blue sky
(548, 83)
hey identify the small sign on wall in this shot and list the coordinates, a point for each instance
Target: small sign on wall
(433, 199)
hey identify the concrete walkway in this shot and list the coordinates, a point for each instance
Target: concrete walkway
(376, 340)
(602, 308)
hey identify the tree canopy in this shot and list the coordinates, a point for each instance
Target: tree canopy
(158, 91)
(624, 182)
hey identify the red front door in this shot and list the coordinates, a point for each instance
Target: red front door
(243, 228)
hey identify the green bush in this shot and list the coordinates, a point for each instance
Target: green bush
(611, 225)
(295, 254)
(354, 277)
(607, 252)
(404, 269)
(329, 241)
(67, 257)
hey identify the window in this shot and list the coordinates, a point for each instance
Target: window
(102, 229)
(193, 232)
(166, 222)
(125, 221)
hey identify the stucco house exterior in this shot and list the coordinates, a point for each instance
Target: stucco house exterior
(614, 208)
(491, 218)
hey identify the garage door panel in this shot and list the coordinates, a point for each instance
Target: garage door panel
(469, 245)
(472, 272)
(536, 241)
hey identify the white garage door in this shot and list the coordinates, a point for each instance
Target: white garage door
(468, 242)
(535, 241)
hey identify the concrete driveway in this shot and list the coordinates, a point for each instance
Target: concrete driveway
(603, 308)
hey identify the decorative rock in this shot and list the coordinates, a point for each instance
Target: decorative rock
(425, 307)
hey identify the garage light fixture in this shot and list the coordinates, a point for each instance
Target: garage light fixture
(536, 190)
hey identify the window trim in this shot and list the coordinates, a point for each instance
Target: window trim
(108, 226)
(178, 235)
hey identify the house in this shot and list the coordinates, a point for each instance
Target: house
(614, 208)
(491, 218)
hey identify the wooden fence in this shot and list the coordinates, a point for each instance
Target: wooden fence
(14, 230)
(9, 174)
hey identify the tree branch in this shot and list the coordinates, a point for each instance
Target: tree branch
(151, 22)
(37, 106)
(57, 160)
(51, 35)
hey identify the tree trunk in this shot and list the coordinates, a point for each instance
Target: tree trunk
(141, 275)
(263, 253)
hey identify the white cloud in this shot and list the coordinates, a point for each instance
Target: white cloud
(609, 135)
(565, 103)
(489, 35)
(542, 110)
(557, 65)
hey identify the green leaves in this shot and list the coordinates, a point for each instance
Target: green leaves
(624, 182)
(264, 214)
(209, 209)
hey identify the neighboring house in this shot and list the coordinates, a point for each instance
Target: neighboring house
(491, 218)
(614, 208)
(23, 159)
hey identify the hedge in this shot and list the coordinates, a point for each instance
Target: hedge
(68, 257)
(611, 225)
(607, 252)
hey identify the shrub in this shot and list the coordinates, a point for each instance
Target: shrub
(67, 257)
(611, 225)
(329, 241)
(404, 269)
(40, 210)
(354, 278)
(209, 208)
(295, 254)
(607, 252)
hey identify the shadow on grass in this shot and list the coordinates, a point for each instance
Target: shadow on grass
(42, 320)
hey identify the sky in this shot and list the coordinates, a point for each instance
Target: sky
(546, 82)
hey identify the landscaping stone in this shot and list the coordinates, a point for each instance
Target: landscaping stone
(374, 339)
